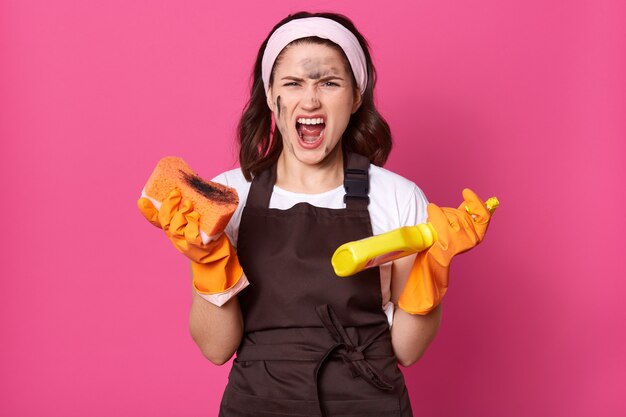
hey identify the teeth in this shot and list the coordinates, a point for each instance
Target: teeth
(304, 121)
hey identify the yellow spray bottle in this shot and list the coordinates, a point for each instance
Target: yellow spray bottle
(358, 255)
(353, 257)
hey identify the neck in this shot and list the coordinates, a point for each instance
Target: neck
(295, 176)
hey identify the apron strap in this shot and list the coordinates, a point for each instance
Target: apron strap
(261, 188)
(356, 182)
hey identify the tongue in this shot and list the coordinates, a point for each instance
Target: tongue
(311, 130)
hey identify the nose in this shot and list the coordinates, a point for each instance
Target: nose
(310, 100)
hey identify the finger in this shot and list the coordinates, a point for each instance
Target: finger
(475, 207)
(169, 208)
(434, 213)
(455, 228)
(447, 217)
(458, 219)
(179, 219)
(148, 211)
(192, 230)
(480, 212)
(438, 219)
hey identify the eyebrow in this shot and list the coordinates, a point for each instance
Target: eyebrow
(327, 78)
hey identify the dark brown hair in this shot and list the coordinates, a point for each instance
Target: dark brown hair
(367, 132)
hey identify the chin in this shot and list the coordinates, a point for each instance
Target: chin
(316, 156)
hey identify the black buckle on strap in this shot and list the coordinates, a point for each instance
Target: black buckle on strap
(356, 184)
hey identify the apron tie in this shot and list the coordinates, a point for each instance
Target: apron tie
(352, 356)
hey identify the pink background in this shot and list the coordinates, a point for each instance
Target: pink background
(524, 100)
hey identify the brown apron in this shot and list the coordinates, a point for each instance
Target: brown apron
(314, 344)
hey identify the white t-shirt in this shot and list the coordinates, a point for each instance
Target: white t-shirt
(394, 202)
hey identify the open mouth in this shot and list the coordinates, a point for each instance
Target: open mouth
(310, 131)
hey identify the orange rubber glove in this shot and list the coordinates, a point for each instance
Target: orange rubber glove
(458, 230)
(214, 266)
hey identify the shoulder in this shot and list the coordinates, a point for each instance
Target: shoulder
(233, 178)
(395, 201)
(388, 184)
(381, 177)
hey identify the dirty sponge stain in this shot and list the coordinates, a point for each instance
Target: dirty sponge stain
(207, 189)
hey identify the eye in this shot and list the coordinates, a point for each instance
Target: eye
(330, 84)
(291, 84)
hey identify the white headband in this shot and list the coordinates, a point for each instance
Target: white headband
(322, 28)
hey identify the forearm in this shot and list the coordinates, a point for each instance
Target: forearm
(411, 334)
(216, 330)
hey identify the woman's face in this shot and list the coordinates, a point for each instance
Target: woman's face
(312, 98)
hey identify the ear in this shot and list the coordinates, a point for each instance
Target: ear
(270, 99)
(358, 99)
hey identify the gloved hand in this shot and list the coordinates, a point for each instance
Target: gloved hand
(458, 230)
(215, 266)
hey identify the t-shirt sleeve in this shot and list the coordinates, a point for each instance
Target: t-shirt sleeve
(414, 211)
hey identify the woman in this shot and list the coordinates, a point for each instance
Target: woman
(311, 146)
